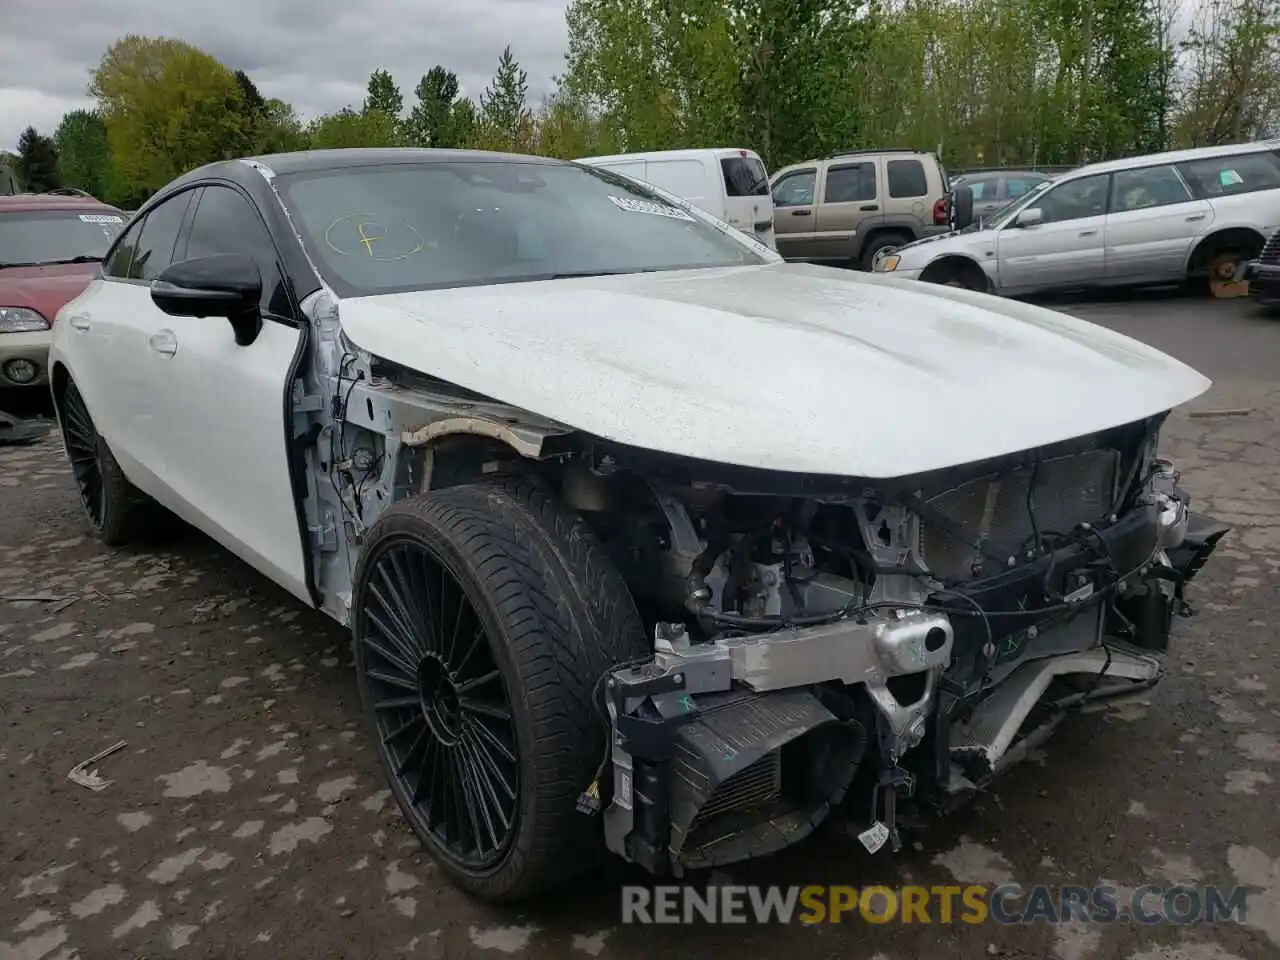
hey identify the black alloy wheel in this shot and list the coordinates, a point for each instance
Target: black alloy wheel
(84, 450)
(441, 708)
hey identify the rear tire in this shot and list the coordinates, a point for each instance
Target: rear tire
(1214, 263)
(118, 512)
(506, 712)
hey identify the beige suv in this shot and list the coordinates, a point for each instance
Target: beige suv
(846, 208)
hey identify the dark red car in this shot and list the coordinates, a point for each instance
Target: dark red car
(51, 246)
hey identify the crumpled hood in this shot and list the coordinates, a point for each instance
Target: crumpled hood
(787, 366)
(44, 289)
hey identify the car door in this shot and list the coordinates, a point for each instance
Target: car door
(108, 349)
(850, 206)
(225, 431)
(794, 216)
(1066, 248)
(1152, 222)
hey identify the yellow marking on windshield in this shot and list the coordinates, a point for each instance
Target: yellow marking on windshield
(366, 239)
(401, 237)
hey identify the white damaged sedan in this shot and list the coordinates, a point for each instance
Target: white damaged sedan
(649, 543)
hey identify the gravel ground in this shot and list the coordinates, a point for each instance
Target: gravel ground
(246, 816)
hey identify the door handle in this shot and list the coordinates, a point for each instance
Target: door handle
(801, 213)
(1194, 217)
(1088, 233)
(870, 206)
(79, 321)
(164, 343)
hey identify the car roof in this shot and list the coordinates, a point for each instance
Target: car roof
(307, 161)
(1175, 156)
(51, 202)
(316, 161)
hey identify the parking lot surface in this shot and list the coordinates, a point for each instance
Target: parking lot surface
(246, 815)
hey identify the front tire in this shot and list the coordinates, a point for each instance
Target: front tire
(885, 241)
(953, 274)
(483, 617)
(118, 512)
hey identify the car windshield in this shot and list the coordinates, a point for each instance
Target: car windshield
(1005, 213)
(34, 238)
(396, 227)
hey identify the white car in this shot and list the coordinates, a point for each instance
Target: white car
(647, 540)
(729, 183)
(1196, 215)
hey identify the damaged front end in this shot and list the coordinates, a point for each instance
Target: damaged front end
(825, 642)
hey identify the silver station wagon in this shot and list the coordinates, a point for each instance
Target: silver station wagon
(1195, 215)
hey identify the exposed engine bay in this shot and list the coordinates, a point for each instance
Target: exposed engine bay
(880, 648)
(867, 643)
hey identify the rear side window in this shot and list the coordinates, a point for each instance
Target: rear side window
(1146, 187)
(154, 248)
(907, 179)
(850, 183)
(1228, 175)
(744, 177)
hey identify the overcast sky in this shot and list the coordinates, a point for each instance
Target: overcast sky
(315, 54)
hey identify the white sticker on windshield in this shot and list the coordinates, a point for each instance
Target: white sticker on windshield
(100, 218)
(633, 205)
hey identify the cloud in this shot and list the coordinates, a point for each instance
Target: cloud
(315, 54)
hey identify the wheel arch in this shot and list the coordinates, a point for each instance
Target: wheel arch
(1224, 238)
(883, 229)
(59, 377)
(954, 263)
(465, 448)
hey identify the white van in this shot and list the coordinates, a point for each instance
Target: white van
(728, 183)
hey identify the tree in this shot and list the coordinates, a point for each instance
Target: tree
(282, 131)
(429, 123)
(254, 104)
(783, 76)
(37, 167)
(349, 128)
(505, 120)
(568, 128)
(798, 89)
(269, 126)
(1233, 65)
(383, 95)
(168, 107)
(464, 124)
(84, 159)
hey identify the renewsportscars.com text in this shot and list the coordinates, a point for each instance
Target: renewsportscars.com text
(973, 904)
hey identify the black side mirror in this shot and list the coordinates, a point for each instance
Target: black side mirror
(223, 285)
